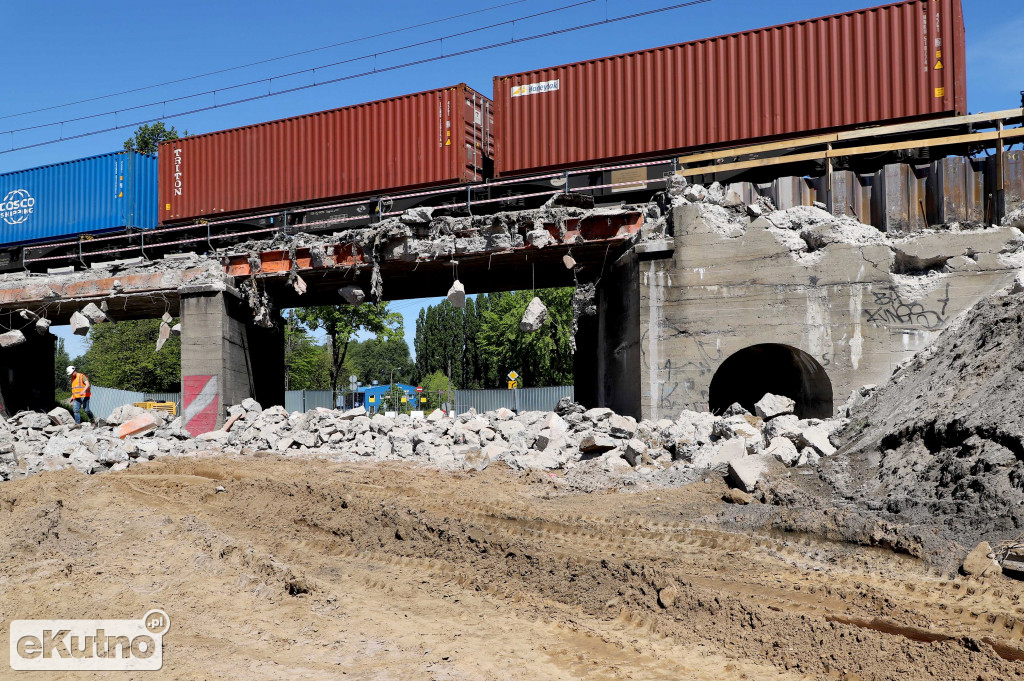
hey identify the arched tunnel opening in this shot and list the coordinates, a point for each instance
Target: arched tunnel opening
(771, 368)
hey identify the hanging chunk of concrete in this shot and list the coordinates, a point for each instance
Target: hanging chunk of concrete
(11, 339)
(353, 295)
(176, 329)
(165, 333)
(457, 294)
(80, 324)
(299, 285)
(43, 326)
(534, 317)
(28, 315)
(94, 314)
(568, 261)
(167, 317)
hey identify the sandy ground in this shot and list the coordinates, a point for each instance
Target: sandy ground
(313, 570)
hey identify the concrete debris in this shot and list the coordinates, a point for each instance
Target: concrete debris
(539, 238)
(43, 326)
(417, 216)
(163, 335)
(598, 440)
(94, 314)
(352, 295)
(61, 417)
(79, 324)
(376, 284)
(167, 318)
(457, 294)
(771, 406)
(981, 562)
(28, 315)
(11, 339)
(298, 284)
(568, 261)
(176, 329)
(259, 302)
(534, 317)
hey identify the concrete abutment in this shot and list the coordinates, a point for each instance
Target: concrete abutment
(814, 307)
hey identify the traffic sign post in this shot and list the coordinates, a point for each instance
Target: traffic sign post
(513, 380)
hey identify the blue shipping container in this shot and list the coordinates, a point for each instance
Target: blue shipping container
(96, 194)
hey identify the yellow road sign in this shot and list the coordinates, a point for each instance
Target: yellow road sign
(512, 375)
(512, 385)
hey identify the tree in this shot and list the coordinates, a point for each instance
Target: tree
(124, 356)
(381, 360)
(438, 390)
(542, 357)
(307, 363)
(61, 361)
(342, 322)
(147, 138)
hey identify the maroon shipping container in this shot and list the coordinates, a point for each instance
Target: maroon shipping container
(896, 62)
(429, 139)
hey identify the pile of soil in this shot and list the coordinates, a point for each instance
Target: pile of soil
(941, 447)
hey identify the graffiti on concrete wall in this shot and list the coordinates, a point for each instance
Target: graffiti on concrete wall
(888, 307)
(676, 388)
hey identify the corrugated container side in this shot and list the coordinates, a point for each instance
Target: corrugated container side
(96, 194)
(428, 139)
(899, 61)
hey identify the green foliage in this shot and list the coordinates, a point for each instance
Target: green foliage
(61, 360)
(543, 357)
(381, 360)
(342, 322)
(147, 138)
(308, 363)
(438, 391)
(124, 356)
(482, 343)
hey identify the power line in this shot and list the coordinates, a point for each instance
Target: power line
(269, 80)
(265, 61)
(298, 88)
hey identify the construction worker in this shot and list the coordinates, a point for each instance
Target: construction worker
(81, 391)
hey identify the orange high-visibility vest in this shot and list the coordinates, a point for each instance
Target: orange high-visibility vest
(78, 389)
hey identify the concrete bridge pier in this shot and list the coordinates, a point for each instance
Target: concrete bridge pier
(27, 374)
(225, 358)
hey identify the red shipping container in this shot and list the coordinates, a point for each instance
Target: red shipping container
(896, 62)
(428, 139)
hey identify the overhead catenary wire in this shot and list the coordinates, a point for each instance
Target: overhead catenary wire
(269, 60)
(298, 88)
(290, 74)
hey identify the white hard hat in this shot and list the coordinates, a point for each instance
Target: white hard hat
(70, 370)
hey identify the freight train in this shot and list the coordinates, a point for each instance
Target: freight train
(609, 126)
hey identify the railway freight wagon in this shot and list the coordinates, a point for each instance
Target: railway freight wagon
(106, 193)
(902, 61)
(429, 139)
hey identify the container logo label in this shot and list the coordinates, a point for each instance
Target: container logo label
(177, 173)
(17, 206)
(73, 645)
(536, 88)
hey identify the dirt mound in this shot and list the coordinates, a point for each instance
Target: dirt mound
(317, 570)
(942, 445)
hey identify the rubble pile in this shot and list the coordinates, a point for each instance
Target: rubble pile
(598, 439)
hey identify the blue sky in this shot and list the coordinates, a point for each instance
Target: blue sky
(58, 52)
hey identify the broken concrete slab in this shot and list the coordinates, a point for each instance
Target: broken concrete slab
(353, 295)
(457, 294)
(42, 326)
(163, 334)
(299, 285)
(534, 317)
(61, 417)
(746, 472)
(634, 452)
(140, 425)
(80, 324)
(94, 314)
(771, 406)
(176, 329)
(595, 443)
(568, 261)
(980, 562)
(11, 339)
